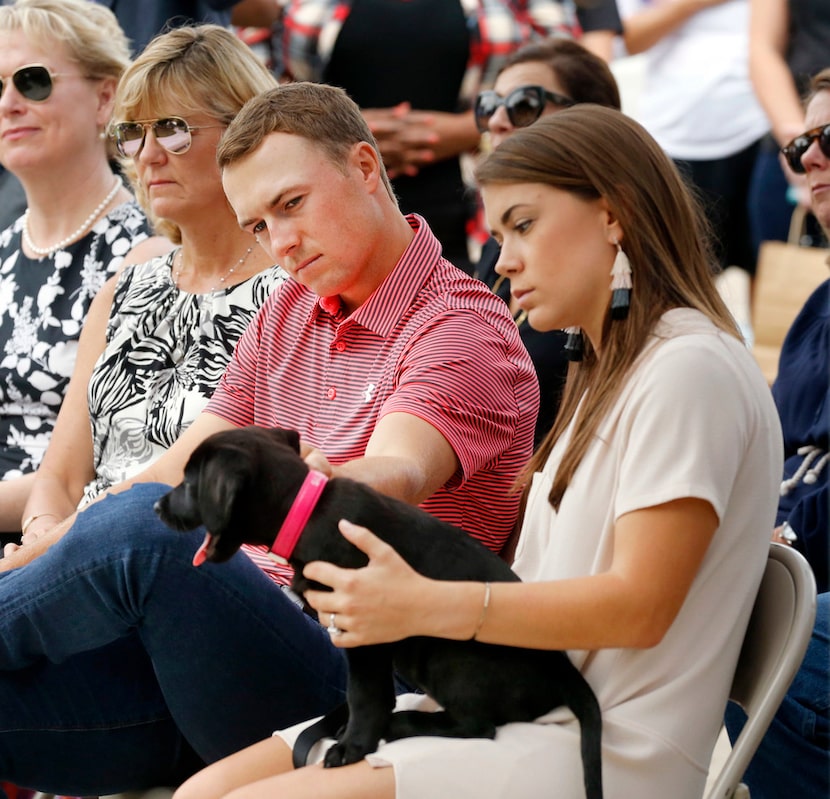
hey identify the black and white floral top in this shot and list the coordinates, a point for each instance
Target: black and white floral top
(43, 304)
(166, 350)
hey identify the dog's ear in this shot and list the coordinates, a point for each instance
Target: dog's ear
(286, 436)
(221, 479)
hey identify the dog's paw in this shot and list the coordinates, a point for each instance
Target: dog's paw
(342, 754)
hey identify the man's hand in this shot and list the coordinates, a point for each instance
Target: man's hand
(316, 460)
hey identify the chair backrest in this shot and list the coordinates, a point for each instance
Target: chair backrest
(776, 639)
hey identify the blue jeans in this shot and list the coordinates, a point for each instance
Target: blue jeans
(794, 756)
(122, 666)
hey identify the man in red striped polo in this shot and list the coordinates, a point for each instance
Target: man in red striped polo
(397, 368)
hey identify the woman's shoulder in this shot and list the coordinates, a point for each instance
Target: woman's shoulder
(10, 236)
(689, 355)
(130, 217)
(271, 277)
(256, 289)
(141, 281)
(148, 249)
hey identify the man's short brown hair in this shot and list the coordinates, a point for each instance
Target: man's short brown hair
(325, 115)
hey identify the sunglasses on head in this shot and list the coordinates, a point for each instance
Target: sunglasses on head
(34, 82)
(794, 151)
(172, 133)
(523, 105)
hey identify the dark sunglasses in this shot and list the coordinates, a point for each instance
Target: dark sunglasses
(172, 133)
(794, 151)
(523, 105)
(34, 82)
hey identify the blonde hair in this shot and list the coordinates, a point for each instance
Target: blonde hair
(202, 69)
(89, 32)
(595, 152)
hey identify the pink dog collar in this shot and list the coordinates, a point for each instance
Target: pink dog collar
(298, 515)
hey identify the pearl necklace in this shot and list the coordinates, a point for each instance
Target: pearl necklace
(178, 273)
(86, 225)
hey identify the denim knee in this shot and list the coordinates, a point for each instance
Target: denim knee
(124, 521)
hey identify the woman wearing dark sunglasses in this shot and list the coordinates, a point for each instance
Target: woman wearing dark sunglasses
(800, 731)
(537, 80)
(59, 66)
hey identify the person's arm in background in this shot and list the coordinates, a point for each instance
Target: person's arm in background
(409, 139)
(643, 29)
(771, 76)
(601, 24)
(255, 13)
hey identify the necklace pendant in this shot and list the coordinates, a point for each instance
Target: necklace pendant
(221, 284)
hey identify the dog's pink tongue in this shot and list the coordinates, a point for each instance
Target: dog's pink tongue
(201, 553)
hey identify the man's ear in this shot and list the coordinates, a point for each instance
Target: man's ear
(367, 161)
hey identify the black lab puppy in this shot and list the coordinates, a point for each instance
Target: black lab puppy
(240, 485)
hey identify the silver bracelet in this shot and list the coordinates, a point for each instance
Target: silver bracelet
(483, 610)
(27, 523)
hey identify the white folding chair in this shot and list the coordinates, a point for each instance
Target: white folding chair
(776, 640)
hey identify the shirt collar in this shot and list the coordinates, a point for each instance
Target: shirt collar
(392, 298)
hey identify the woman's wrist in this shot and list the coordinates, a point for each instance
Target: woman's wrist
(457, 610)
(31, 519)
(484, 606)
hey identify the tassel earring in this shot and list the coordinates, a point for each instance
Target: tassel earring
(573, 344)
(620, 285)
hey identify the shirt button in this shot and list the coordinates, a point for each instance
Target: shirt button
(340, 346)
(331, 393)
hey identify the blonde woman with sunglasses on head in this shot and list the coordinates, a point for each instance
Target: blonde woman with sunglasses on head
(59, 65)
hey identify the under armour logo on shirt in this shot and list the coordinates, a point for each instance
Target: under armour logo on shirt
(368, 394)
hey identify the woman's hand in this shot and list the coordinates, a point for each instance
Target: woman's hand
(380, 603)
(35, 544)
(35, 530)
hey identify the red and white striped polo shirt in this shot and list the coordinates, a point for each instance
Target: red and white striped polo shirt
(430, 341)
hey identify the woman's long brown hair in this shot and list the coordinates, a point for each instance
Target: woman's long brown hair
(595, 152)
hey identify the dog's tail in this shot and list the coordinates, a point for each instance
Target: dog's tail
(586, 708)
(329, 726)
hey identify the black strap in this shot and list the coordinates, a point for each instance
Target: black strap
(327, 727)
